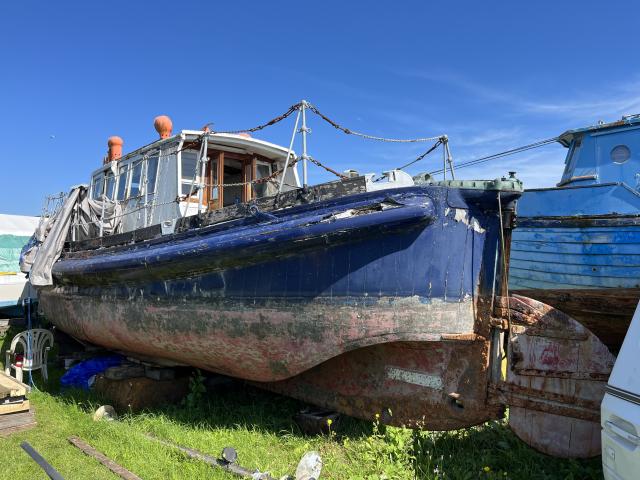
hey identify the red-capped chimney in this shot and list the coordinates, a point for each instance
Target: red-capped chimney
(163, 126)
(115, 149)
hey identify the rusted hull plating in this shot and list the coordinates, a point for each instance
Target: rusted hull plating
(372, 303)
(438, 385)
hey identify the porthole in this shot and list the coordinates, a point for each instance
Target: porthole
(620, 154)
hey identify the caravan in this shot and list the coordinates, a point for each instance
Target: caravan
(621, 411)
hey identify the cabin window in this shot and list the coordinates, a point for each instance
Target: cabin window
(572, 158)
(136, 176)
(263, 169)
(122, 181)
(213, 193)
(188, 165)
(620, 154)
(152, 175)
(110, 185)
(98, 186)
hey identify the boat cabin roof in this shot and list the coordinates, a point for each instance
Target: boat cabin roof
(603, 153)
(567, 137)
(230, 142)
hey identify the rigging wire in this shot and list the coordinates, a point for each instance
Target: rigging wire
(495, 156)
(433, 147)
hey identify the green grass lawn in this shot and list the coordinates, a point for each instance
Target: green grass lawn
(259, 426)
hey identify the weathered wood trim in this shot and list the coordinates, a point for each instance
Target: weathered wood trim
(578, 221)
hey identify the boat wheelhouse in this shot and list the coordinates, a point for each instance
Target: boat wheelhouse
(577, 245)
(147, 182)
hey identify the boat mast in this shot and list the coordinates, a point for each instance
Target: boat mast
(293, 138)
(447, 155)
(304, 130)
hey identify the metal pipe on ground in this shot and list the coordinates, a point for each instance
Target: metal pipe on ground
(51, 472)
(309, 467)
(215, 462)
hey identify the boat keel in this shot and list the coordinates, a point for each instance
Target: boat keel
(437, 385)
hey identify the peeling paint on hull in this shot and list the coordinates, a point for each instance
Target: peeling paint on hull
(270, 342)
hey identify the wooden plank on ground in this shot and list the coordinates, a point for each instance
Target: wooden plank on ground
(16, 422)
(103, 459)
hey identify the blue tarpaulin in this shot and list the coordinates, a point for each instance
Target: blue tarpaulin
(78, 376)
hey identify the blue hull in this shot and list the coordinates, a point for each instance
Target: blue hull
(578, 249)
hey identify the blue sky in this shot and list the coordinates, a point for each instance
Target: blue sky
(491, 75)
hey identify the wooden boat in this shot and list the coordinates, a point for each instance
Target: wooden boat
(577, 246)
(376, 297)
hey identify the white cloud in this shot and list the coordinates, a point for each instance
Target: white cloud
(605, 102)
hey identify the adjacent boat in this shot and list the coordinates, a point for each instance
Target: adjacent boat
(577, 245)
(15, 232)
(374, 296)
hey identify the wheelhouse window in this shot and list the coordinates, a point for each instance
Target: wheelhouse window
(110, 185)
(572, 158)
(135, 183)
(152, 175)
(98, 186)
(122, 182)
(263, 169)
(188, 165)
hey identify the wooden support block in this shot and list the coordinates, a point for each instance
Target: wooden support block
(160, 373)
(141, 392)
(126, 370)
(13, 407)
(316, 421)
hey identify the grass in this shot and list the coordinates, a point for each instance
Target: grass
(258, 424)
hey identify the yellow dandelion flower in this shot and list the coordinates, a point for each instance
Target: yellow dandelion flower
(487, 469)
